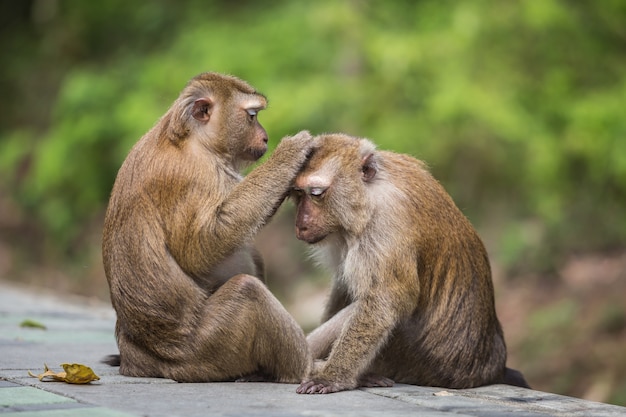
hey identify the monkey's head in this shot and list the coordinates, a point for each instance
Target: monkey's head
(332, 192)
(220, 113)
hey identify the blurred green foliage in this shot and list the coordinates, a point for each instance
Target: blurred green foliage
(518, 107)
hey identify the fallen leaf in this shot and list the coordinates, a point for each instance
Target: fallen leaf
(78, 374)
(33, 324)
(48, 373)
(74, 373)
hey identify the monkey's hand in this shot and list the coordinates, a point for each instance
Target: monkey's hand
(320, 386)
(294, 150)
(301, 140)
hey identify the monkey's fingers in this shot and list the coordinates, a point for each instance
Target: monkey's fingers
(304, 387)
(313, 387)
(303, 134)
(310, 387)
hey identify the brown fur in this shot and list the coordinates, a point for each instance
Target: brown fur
(412, 298)
(185, 281)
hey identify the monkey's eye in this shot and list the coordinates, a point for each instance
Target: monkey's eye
(252, 113)
(317, 192)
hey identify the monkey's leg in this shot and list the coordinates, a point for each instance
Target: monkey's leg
(245, 330)
(280, 346)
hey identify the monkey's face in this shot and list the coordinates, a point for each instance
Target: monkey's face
(312, 224)
(330, 192)
(228, 123)
(255, 143)
(313, 189)
(251, 139)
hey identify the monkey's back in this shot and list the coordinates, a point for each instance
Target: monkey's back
(150, 292)
(453, 338)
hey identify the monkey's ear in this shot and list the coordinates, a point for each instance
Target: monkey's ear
(201, 109)
(368, 168)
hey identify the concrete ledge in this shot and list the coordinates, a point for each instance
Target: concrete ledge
(79, 332)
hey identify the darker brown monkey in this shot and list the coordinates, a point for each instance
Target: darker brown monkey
(185, 281)
(412, 298)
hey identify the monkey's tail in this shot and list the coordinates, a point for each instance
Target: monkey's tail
(114, 360)
(514, 377)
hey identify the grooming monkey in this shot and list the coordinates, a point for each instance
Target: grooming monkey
(412, 299)
(185, 281)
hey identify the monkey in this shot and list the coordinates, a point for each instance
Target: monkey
(185, 281)
(411, 299)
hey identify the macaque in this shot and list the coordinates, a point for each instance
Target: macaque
(185, 281)
(412, 299)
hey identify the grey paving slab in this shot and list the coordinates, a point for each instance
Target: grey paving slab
(80, 411)
(499, 400)
(27, 395)
(16, 400)
(82, 332)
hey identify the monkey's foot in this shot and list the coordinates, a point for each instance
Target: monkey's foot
(319, 387)
(371, 380)
(254, 378)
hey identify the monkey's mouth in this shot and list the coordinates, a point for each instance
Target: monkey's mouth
(306, 235)
(254, 154)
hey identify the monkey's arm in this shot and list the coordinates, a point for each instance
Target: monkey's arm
(368, 327)
(337, 301)
(255, 199)
(338, 310)
(321, 340)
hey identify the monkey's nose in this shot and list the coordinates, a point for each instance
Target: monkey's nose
(300, 231)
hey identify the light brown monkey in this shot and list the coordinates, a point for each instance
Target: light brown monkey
(412, 298)
(185, 281)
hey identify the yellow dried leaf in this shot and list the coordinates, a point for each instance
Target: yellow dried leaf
(74, 373)
(48, 373)
(78, 374)
(32, 324)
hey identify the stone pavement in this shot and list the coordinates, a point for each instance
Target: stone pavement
(80, 332)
